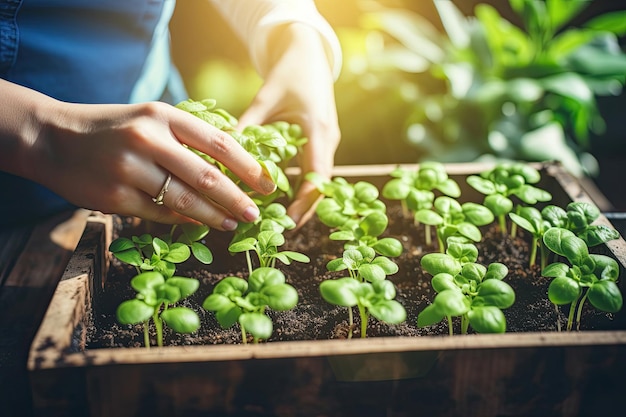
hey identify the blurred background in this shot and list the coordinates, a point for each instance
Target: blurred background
(453, 81)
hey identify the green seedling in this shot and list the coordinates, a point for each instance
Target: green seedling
(451, 218)
(579, 217)
(265, 246)
(473, 292)
(271, 217)
(362, 265)
(155, 295)
(235, 300)
(161, 254)
(414, 188)
(504, 181)
(588, 277)
(368, 233)
(371, 298)
(532, 220)
(345, 204)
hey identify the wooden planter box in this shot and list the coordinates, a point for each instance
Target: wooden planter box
(514, 374)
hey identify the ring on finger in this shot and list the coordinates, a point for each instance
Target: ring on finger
(158, 200)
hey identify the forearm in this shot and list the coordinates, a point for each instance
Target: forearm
(21, 120)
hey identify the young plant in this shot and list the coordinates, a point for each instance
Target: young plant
(579, 217)
(362, 265)
(414, 188)
(371, 298)
(235, 300)
(466, 289)
(265, 246)
(452, 218)
(504, 181)
(588, 277)
(531, 220)
(155, 295)
(161, 254)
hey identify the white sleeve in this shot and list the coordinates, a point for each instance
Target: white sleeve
(252, 21)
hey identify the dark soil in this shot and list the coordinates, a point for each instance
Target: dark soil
(313, 318)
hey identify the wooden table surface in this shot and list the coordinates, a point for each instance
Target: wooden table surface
(32, 260)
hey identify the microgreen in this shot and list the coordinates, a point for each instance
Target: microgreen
(371, 298)
(155, 295)
(161, 254)
(588, 277)
(452, 218)
(235, 300)
(265, 246)
(506, 180)
(468, 290)
(414, 188)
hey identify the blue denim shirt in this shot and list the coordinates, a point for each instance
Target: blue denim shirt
(85, 51)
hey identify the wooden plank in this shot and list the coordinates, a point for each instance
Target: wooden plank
(33, 260)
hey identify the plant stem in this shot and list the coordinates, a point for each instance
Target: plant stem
(570, 317)
(502, 222)
(450, 328)
(146, 334)
(244, 336)
(158, 324)
(464, 324)
(533, 251)
(364, 319)
(350, 322)
(249, 261)
(580, 309)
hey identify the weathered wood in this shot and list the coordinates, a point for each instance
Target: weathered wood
(514, 374)
(32, 260)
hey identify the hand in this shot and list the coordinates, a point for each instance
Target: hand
(299, 89)
(116, 158)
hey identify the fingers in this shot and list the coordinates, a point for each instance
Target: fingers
(202, 136)
(303, 206)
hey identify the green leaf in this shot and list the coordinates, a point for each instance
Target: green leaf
(388, 311)
(477, 214)
(606, 296)
(257, 324)
(560, 12)
(281, 297)
(178, 253)
(194, 232)
(133, 312)
(130, 256)
(452, 303)
(493, 292)
(487, 319)
(611, 22)
(429, 316)
(187, 286)
(563, 290)
(388, 246)
(181, 319)
(121, 244)
(146, 280)
(371, 272)
(428, 217)
(443, 281)
(341, 292)
(201, 253)
(435, 263)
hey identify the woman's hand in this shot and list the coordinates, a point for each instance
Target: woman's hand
(299, 88)
(117, 158)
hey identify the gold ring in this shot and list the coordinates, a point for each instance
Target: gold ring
(159, 198)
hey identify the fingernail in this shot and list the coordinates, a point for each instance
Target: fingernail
(251, 213)
(229, 224)
(267, 184)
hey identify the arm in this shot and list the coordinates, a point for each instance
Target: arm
(298, 55)
(115, 158)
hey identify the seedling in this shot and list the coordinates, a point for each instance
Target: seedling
(265, 246)
(531, 220)
(578, 217)
(235, 300)
(161, 254)
(371, 298)
(468, 290)
(506, 180)
(362, 265)
(452, 218)
(155, 295)
(588, 277)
